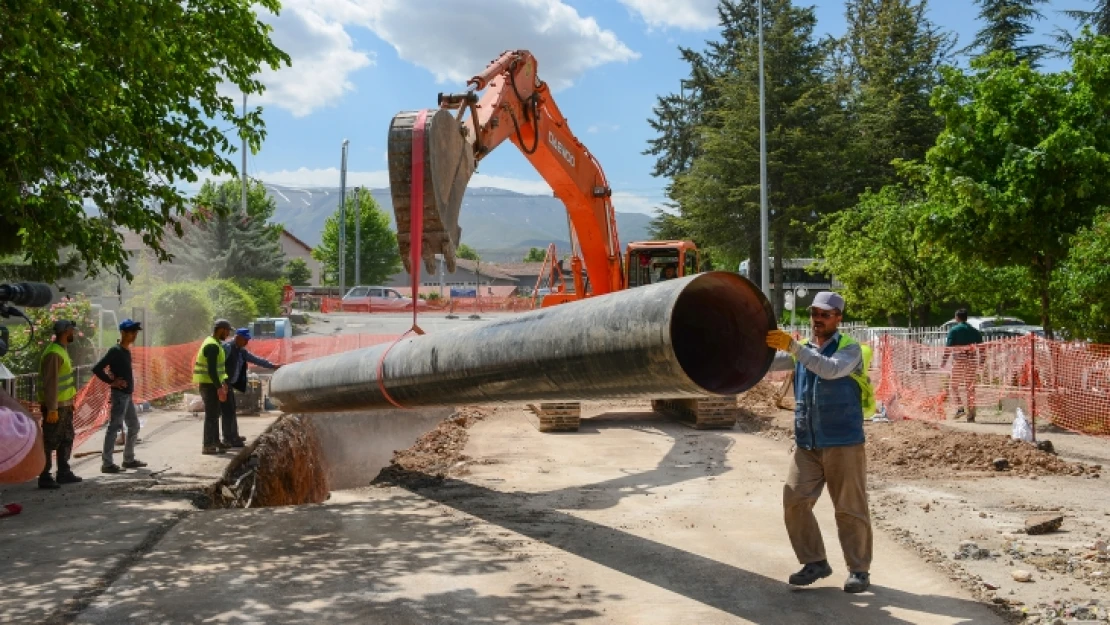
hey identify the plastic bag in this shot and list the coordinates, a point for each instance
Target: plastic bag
(1022, 430)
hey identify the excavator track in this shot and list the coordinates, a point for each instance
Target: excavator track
(448, 166)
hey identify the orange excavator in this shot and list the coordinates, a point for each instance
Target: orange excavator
(446, 144)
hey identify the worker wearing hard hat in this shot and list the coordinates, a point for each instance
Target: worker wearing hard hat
(832, 393)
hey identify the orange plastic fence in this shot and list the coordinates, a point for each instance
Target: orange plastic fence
(455, 305)
(162, 371)
(1066, 384)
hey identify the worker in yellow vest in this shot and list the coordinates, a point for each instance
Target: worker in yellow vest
(57, 390)
(210, 372)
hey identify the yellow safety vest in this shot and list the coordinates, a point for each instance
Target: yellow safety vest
(67, 384)
(866, 391)
(200, 364)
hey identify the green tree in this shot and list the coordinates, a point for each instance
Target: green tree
(718, 195)
(231, 301)
(1099, 18)
(1023, 162)
(183, 313)
(224, 244)
(113, 105)
(380, 258)
(892, 56)
(880, 251)
(535, 255)
(1083, 283)
(467, 252)
(298, 273)
(1006, 25)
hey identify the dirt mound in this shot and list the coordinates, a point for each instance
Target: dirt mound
(283, 467)
(913, 449)
(435, 455)
(761, 397)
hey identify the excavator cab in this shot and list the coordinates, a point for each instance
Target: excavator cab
(650, 262)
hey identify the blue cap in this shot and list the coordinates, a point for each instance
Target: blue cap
(243, 332)
(128, 324)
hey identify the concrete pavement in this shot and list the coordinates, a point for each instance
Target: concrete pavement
(634, 519)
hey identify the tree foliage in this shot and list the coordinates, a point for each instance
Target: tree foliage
(220, 242)
(183, 313)
(380, 258)
(1083, 282)
(535, 255)
(1006, 26)
(113, 105)
(892, 56)
(1023, 162)
(466, 252)
(298, 273)
(881, 252)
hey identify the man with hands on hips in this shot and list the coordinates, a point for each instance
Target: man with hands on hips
(832, 395)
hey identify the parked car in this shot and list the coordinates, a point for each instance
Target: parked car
(1011, 331)
(984, 323)
(377, 298)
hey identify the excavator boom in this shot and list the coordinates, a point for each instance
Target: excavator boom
(444, 146)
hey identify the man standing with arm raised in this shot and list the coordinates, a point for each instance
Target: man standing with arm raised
(832, 394)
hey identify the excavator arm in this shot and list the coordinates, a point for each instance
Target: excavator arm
(517, 106)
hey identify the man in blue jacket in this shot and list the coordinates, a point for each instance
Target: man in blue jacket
(236, 366)
(831, 392)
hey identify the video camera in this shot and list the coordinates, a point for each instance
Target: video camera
(34, 294)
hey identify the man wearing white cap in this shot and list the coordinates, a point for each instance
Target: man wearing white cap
(832, 393)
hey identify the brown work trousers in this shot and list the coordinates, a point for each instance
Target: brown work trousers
(844, 469)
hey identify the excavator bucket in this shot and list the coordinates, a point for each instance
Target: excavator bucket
(448, 165)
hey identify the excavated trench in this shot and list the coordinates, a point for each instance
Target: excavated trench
(301, 459)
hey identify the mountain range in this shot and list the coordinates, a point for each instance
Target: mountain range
(500, 225)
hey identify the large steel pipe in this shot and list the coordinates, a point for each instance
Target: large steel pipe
(688, 337)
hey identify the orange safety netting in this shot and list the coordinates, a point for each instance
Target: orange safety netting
(1063, 383)
(455, 305)
(162, 371)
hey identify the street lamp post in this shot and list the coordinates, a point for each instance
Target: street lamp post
(764, 218)
(343, 219)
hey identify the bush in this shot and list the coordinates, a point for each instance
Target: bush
(183, 313)
(231, 302)
(265, 293)
(25, 353)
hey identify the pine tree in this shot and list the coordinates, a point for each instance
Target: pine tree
(1098, 19)
(378, 247)
(220, 242)
(1007, 24)
(892, 55)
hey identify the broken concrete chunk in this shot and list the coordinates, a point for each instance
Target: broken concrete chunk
(1043, 523)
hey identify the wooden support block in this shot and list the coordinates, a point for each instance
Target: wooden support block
(555, 416)
(700, 413)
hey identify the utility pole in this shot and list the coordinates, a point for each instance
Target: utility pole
(343, 220)
(764, 213)
(243, 207)
(358, 237)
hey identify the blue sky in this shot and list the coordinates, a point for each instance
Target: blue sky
(358, 62)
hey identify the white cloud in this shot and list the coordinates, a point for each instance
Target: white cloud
(682, 14)
(455, 39)
(322, 54)
(596, 128)
(634, 203)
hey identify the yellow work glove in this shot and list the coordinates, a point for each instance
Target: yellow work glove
(52, 416)
(779, 340)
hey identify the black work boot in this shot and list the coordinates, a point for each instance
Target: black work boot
(69, 477)
(46, 481)
(133, 464)
(857, 582)
(811, 573)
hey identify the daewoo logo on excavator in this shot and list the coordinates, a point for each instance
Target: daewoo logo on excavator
(560, 148)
